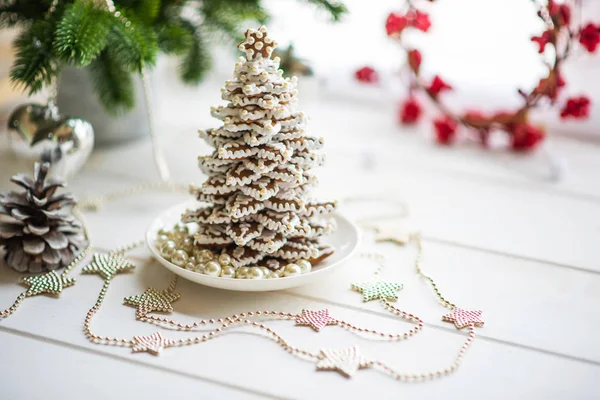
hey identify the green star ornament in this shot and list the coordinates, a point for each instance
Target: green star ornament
(383, 290)
(50, 283)
(107, 265)
(152, 300)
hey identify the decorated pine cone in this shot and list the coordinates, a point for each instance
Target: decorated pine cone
(37, 228)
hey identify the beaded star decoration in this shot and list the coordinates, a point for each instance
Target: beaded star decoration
(152, 300)
(372, 290)
(345, 361)
(51, 283)
(107, 265)
(463, 318)
(152, 344)
(315, 319)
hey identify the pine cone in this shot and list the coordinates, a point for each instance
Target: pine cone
(37, 228)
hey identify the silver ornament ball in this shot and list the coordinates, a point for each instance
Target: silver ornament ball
(40, 133)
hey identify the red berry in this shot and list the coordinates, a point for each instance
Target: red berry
(437, 86)
(526, 137)
(589, 37)
(414, 60)
(395, 24)
(576, 107)
(445, 129)
(410, 111)
(366, 75)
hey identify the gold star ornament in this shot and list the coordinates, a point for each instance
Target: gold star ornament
(51, 283)
(152, 300)
(107, 265)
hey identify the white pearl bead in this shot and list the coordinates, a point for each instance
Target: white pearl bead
(305, 265)
(272, 275)
(292, 270)
(180, 228)
(199, 268)
(265, 270)
(255, 273)
(224, 259)
(212, 268)
(168, 249)
(162, 239)
(192, 260)
(187, 244)
(227, 271)
(190, 266)
(241, 272)
(205, 254)
(179, 258)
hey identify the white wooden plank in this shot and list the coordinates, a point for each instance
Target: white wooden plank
(34, 368)
(490, 370)
(524, 302)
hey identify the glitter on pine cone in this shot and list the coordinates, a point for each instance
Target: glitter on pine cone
(37, 228)
(259, 176)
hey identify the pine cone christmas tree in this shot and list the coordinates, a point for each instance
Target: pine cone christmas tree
(259, 178)
(37, 228)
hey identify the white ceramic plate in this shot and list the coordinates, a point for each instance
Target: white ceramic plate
(344, 239)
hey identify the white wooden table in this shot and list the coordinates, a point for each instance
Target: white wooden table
(499, 236)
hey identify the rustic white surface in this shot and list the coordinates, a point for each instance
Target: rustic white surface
(499, 235)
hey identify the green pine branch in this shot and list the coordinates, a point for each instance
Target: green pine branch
(81, 33)
(335, 8)
(112, 82)
(34, 64)
(174, 38)
(197, 61)
(226, 16)
(133, 46)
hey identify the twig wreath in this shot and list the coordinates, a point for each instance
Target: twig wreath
(560, 36)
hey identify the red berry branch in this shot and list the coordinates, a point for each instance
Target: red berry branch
(559, 34)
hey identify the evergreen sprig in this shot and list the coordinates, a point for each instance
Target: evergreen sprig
(82, 33)
(112, 82)
(196, 62)
(34, 64)
(334, 8)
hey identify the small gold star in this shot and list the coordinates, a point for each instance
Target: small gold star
(152, 300)
(50, 283)
(107, 265)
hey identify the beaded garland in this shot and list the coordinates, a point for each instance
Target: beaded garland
(346, 361)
